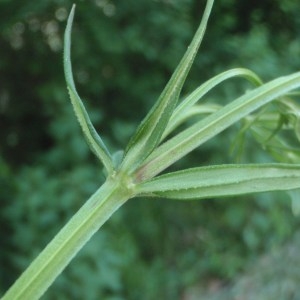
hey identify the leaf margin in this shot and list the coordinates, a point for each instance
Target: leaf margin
(222, 181)
(93, 139)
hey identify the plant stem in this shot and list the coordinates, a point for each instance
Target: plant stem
(59, 252)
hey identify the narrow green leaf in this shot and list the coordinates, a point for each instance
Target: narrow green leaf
(93, 139)
(203, 89)
(188, 113)
(200, 132)
(223, 180)
(149, 132)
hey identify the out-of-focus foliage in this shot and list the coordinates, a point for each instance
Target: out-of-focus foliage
(274, 276)
(123, 54)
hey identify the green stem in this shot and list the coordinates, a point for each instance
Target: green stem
(33, 283)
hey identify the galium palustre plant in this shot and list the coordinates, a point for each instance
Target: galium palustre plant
(137, 170)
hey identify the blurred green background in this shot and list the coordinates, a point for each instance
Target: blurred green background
(123, 54)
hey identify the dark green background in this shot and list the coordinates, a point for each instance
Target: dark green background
(123, 54)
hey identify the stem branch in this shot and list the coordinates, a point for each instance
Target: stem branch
(59, 252)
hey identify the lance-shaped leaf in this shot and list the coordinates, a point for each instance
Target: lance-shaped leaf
(93, 139)
(188, 113)
(222, 181)
(203, 89)
(200, 132)
(149, 132)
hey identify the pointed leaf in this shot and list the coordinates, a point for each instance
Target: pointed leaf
(93, 139)
(223, 180)
(195, 110)
(152, 127)
(203, 89)
(200, 132)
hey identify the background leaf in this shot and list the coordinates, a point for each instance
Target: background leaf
(295, 198)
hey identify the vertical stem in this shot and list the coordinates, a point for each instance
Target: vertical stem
(33, 283)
